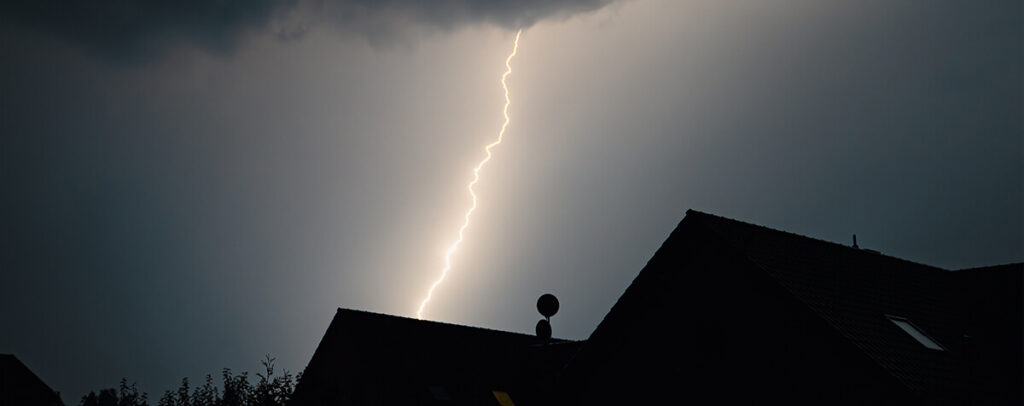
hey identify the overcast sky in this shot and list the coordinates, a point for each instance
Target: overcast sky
(190, 188)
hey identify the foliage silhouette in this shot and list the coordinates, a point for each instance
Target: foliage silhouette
(269, 390)
(126, 395)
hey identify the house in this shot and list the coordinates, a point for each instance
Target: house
(376, 359)
(726, 312)
(19, 386)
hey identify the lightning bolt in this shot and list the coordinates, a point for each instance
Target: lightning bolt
(476, 179)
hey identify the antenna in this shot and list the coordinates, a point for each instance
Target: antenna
(547, 305)
(855, 241)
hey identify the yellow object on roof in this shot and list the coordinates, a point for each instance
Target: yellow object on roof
(503, 398)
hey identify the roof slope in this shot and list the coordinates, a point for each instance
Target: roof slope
(823, 312)
(368, 357)
(995, 320)
(854, 289)
(20, 386)
(713, 270)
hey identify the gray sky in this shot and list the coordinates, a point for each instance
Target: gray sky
(189, 189)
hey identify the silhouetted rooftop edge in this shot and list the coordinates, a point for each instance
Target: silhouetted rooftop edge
(19, 385)
(405, 319)
(823, 312)
(800, 236)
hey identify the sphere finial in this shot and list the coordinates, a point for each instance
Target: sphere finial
(547, 305)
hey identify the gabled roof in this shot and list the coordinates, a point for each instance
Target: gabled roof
(397, 359)
(854, 290)
(900, 331)
(873, 304)
(20, 386)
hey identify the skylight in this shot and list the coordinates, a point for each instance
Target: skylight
(915, 332)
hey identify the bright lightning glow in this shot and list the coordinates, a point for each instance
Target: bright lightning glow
(476, 178)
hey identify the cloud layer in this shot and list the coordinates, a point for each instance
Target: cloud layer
(133, 30)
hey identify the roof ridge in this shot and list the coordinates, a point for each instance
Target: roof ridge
(860, 250)
(442, 323)
(991, 267)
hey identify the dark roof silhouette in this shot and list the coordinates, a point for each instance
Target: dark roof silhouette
(850, 288)
(371, 358)
(853, 290)
(19, 386)
(729, 311)
(779, 311)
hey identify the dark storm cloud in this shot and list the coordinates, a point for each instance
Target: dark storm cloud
(451, 13)
(133, 30)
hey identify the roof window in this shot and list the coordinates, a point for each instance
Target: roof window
(914, 331)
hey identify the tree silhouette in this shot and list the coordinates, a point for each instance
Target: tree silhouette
(269, 390)
(126, 395)
(129, 395)
(89, 400)
(208, 394)
(107, 397)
